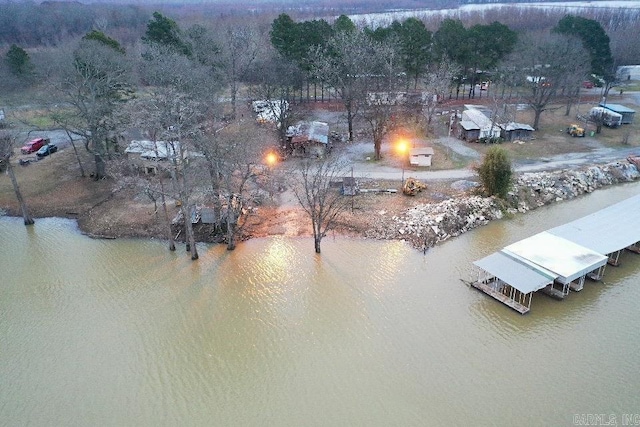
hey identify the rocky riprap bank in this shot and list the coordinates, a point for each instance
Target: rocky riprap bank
(428, 224)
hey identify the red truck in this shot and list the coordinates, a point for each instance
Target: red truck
(33, 145)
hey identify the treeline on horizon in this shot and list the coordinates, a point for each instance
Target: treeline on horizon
(52, 23)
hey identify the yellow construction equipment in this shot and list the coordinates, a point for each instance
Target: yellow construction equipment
(575, 130)
(412, 186)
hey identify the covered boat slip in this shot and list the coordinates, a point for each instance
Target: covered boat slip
(539, 262)
(608, 231)
(510, 280)
(569, 261)
(562, 256)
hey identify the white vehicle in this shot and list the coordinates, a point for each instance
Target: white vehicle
(605, 116)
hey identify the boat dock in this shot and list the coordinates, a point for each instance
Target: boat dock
(557, 261)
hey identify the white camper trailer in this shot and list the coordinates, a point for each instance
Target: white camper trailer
(605, 116)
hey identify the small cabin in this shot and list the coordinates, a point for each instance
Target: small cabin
(513, 131)
(421, 156)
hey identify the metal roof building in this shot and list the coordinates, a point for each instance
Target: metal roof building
(564, 256)
(608, 231)
(510, 280)
(536, 263)
(626, 113)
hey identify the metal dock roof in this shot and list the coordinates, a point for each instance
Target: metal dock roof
(566, 259)
(606, 231)
(522, 276)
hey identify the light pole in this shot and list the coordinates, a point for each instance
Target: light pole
(402, 149)
(271, 159)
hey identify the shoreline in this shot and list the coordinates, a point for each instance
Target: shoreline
(422, 225)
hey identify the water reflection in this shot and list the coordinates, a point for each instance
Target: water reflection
(376, 333)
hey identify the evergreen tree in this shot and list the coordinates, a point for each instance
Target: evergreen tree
(101, 37)
(285, 37)
(594, 40)
(495, 172)
(19, 61)
(166, 32)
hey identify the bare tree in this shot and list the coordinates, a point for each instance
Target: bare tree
(323, 203)
(7, 142)
(240, 47)
(547, 64)
(93, 81)
(379, 116)
(233, 153)
(274, 80)
(347, 64)
(437, 83)
(379, 110)
(178, 106)
(151, 115)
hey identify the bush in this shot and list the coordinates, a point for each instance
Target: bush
(495, 172)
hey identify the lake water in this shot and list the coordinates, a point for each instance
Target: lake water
(574, 7)
(123, 332)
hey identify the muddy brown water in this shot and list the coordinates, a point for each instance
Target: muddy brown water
(104, 332)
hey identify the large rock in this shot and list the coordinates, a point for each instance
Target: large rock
(425, 225)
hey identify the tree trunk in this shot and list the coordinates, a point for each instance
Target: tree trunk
(536, 119)
(234, 94)
(567, 111)
(172, 243)
(100, 167)
(316, 243)
(231, 222)
(377, 145)
(23, 206)
(215, 190)
(350, 121)
(75, 151)
(191, 240)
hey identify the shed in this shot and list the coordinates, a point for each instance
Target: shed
(486, 111)
(486, 127)
(349, 186)
(421, 156)
(308, 139)
(469, 131)
(626, 113)
(513, 131)
(150, 155)
(208, 215)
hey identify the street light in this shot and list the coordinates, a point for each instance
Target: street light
(271, 158)
(402, 148)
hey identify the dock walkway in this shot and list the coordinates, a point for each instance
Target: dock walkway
(500, 297)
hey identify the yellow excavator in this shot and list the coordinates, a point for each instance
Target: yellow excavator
(575, 130)
(412, 186)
